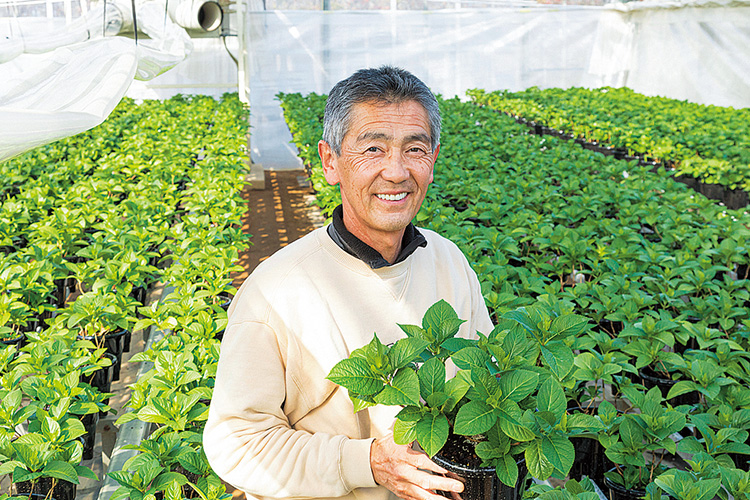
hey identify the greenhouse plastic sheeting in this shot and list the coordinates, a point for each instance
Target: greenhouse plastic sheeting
(687, 50)
(53, 88)
(450, 50)
(698, 51)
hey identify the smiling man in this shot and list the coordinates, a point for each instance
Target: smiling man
(277, 428)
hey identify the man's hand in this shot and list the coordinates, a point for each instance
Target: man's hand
(397, 468)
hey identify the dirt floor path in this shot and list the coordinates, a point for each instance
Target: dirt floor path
(279, 214)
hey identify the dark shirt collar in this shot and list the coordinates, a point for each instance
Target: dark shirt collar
(352, 245)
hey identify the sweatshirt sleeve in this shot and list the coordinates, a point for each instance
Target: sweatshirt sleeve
(248, 439)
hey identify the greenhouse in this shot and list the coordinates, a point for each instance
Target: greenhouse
(375, 249)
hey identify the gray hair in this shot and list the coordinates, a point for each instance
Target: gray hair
(386, 85)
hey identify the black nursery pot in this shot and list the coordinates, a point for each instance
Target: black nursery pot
(651, 379)
(89, 423)
(18, 341)
(619, 492)
(114, 343)
(101, 379)
(63, 490)
(590, 459)
(482, 483)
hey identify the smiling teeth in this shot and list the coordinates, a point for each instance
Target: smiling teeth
(391, 197)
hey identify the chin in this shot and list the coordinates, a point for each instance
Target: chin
(396, 223)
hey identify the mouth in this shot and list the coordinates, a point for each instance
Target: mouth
(391, 197)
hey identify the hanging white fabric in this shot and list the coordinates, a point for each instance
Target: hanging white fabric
(61, 82)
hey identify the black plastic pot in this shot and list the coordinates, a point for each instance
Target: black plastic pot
(590, 459)
(63, 490)
(126, 341)
(102, 379)
(741, 461)
(114, 342)
(17, 341)
(226, 300)
(89, 422)
(482, 483)
(619, 492)
(651, 379)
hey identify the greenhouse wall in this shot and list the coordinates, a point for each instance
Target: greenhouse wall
(686, 52)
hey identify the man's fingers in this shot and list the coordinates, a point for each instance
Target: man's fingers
(408, 473)
(432, 482)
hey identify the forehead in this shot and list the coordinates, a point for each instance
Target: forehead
(397, 120)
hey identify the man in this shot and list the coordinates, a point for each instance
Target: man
(277, 428)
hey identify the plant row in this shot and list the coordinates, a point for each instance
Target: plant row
(658, 271)
(710, 143)
(159, 201)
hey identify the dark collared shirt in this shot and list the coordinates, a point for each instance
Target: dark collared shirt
(352, 245)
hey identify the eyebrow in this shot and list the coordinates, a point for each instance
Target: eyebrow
(383, 136)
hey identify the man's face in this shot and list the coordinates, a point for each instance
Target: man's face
(384, 168)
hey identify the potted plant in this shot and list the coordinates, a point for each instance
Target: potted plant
(638, 442)
(505, 403)
(101, 317)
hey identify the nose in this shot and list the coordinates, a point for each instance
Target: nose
(395, 168)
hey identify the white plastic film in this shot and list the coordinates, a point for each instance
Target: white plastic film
(695, 50)
(309, 51)
(685, 50)
(60, 82)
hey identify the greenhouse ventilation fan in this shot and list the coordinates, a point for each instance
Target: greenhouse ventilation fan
(196, 14)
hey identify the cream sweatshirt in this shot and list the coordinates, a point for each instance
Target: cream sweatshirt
(276, 427)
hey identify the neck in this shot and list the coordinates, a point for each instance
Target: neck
(387, 243)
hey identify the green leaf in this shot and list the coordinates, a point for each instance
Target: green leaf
(61, 470)
(559, 451)
(404, 431)
(518, 384)
(163, 480)
(432, 433)
(414, 331)
(84, 471)
(405, 351)
(431, 377)
(20, 475)
(360, 404)
(50, 428)
(509, 419)
(507, 470)
(441, 319)
(470, 358)
(559, 359)
(567, 325)
(551, 398)
(522, 317)
(630, 434)
(404, 389)
(681, 387)
(536, 461)
(456, 388)
(354, 374)
(483, 385)
(473, 418)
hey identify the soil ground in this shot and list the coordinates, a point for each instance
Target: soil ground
(276, 216)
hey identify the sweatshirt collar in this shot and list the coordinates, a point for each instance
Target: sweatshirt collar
(352, 245)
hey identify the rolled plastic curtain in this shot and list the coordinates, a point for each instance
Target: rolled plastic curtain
(65, 83)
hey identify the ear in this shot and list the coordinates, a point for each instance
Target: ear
(328, 159)
(434, 159)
